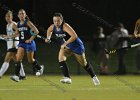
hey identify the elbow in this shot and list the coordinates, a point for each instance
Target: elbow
(75, 37)
(37, 32)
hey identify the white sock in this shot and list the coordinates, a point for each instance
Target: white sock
(22, 73)
(4, 68)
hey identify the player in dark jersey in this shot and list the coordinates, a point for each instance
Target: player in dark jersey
(11, 28)
(71, 46)
(26, 43)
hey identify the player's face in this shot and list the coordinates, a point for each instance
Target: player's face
(57, 21)
(22, 15)
(8, 17)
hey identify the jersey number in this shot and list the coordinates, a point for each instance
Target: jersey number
(22, 35)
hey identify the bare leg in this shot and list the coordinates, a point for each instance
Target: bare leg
(5, 65)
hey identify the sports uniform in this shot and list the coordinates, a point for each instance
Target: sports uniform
(12, 46)
(75, 46)
(24, 32)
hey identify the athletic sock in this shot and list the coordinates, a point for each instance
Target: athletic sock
(36, 66)
(64, 68)
(90, 70)
(4, 68)
(17, 68)
(22, 73)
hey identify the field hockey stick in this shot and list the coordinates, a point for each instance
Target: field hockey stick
(123, 48)
(38, 36)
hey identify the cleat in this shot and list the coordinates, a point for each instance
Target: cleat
(42, 69)
(66, 80)
(40, 72)
(15, 78)
(22, 77)
(95, 80)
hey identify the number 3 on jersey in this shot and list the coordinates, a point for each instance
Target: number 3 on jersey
(22, 35)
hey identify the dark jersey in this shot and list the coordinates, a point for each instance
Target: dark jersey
(75, 46)
(59, 34)
(24, 31)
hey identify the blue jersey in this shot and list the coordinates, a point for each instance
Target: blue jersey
(24, 32)
(75, 46)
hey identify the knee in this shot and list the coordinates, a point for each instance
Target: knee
(19, 57)
(83, 63)
(7, 59)
(30, 61)
(62, 58)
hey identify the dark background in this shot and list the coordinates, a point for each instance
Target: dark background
(41, 11)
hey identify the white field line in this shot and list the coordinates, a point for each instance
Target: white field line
(13, 89)
(80, 89)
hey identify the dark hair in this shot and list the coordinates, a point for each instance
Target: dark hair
(120, 25)
(25, 13)
(58, 15)
(99, 28)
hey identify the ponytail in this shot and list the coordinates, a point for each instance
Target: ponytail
(27, 18)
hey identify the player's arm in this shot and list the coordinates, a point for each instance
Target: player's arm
(49, 33)
(137, 29)
(16, 33)
(15, 30)
(33, 28)
(73, 36)
(2, 35)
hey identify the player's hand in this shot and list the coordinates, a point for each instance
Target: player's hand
(3, 36)
(28, 41)
(137, 35)
(6, 37)
(47, 40)
(63, 46)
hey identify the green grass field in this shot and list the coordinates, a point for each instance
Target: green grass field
(49, 88)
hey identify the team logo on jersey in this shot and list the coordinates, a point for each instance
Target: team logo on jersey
(60, 35)
(23, 29)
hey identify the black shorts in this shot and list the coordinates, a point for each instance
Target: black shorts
(12, 50)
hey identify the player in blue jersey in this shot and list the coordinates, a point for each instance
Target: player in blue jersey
(71, 46)
(26, 43)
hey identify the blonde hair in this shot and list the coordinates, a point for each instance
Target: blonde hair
(10, 13)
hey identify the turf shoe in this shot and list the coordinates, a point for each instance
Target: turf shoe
(40, 72)
(15, 78)
(66, 80)
(22, 77)
(96, 80)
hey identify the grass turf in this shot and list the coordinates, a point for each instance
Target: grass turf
(49, 88)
